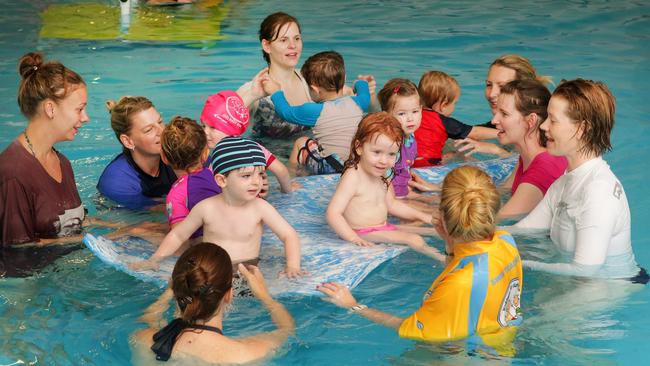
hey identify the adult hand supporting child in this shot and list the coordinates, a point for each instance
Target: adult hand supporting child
(469, 146)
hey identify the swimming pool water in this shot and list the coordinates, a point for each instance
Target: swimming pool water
(79, 311)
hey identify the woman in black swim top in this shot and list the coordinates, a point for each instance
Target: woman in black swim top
(201, 284)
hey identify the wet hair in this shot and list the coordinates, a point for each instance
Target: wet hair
(270, 29)
(522, 67)
(592, 105)
(123, 111)
(201, 278)
(325, 70)
(395, 87)
(437, 86)
(41, 81)
(531, 96)
(469, 204)
(370, 127)
(183, 142)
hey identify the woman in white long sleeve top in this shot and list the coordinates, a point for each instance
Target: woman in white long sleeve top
(586, 209)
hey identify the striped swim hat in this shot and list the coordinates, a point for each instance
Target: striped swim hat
(234, 152)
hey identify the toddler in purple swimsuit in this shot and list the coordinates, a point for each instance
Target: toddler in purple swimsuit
(400, 98)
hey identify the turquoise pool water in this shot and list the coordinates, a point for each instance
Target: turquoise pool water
(79, 311)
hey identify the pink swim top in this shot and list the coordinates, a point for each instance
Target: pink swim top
(542, 172)
(187, 191)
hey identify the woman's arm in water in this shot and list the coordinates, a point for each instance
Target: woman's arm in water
(524, 200)
(153, 315)
(594, 232)
(341, 296)
(261, 345)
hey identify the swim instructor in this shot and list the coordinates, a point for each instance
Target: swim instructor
(137, 178)
(38, 194)
(478, 291)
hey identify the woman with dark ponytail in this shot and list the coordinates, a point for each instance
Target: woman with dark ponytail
(201, 285)
(38, 194)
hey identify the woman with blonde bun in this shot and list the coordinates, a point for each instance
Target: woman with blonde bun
(503, 70)
(478, 291)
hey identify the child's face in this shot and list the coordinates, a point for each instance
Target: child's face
(213, 135)
(408, 112)
(447, 108)
(245, 183)
(378, 155)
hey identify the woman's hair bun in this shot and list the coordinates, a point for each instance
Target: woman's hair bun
(29, 64)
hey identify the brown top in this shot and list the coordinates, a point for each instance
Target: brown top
(32, 204)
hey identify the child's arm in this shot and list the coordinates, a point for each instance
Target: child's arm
(282, 174)
(482, 133)
(403, 211)
(286, 233)
(458, 130)
(345, 191)
(362, 90)
(372, 86)
(174, 239)
(306, 114)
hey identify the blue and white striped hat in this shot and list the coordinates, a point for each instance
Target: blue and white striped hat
(235, 152)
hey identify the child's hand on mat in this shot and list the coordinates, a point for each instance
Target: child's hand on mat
(295, 186)
(149, 264)
(291, 272)
(255, 280)
(362, 242)
(337, 294)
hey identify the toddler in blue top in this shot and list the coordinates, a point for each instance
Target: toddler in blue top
(334, 116)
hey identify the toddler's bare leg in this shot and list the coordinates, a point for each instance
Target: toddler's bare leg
(414, 241)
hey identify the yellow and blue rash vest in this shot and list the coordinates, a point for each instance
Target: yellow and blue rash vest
(478, 292)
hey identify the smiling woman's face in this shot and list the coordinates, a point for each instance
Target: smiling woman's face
(497, 77)
(144, 136)
(286, 48)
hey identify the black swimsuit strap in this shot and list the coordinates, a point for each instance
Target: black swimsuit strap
(206, 327)
(165, 338)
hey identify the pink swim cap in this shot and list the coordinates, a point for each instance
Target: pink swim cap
(226, 112)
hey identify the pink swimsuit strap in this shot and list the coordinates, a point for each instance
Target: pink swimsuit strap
(372, 229)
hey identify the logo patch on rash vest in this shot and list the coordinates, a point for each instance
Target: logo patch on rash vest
(419, 325)
(618, 190)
